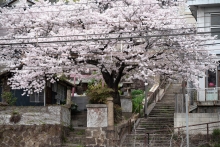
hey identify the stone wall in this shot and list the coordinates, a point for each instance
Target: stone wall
(35, 115)
(106, 137)
(197, 118)
(32, 135)
(96, 137)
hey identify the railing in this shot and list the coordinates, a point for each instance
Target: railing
(204, 130)
(158, 93)
(203, 94)
(121, 130)
(199, 134)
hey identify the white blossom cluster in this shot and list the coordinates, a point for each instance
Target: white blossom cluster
(123, 39)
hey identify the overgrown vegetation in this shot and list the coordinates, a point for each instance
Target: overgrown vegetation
(137, 99)
(216, 137)
(9, 98)
(98, 93)
(15, 117)
(199, 139)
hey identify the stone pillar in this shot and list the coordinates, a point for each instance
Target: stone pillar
(97, 122)
(110, 129)
(110, 106)
(68, 96)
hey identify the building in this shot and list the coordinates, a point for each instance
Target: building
(55, 93)
(207, 16)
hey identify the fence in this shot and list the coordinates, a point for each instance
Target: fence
(205, 98)
(199, 133)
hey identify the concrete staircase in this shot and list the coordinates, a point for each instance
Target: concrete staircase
(159, 124)
(75, 138)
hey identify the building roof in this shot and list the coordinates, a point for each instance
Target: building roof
(194, 4)
(11, 2)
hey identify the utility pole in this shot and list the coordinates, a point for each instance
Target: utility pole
(146, 103)
(187, 115)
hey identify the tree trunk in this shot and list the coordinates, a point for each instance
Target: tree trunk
(111, 83)
(116, 96)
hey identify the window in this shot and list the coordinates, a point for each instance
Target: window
(37, 97)
(2, 2)
(215, 25)
(211, 79)
(60, 92)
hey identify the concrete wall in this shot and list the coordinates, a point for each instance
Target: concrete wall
(65, 116)
(37, 115)
(197, 118)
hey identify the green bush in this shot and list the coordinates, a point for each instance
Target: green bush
(136, 92)
(137, 98)
(98, 93)
(216, 145)
(216, 136)
(9, 98)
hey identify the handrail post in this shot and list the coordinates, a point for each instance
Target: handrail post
(146, 103)
(148, 142)
(207, 132)
(145, 140)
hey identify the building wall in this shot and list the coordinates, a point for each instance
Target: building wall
(203, 24)
(24, 100)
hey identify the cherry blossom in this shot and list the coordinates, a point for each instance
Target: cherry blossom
(121, 40)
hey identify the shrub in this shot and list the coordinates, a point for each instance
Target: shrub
(9, 98)
(216, 135)
(98, 94)
(137, 98)
(15, 117)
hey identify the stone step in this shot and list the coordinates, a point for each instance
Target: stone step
(160, 104)
(164, 107)
(75, 138)
(154, 125)
(163, 112)
(160, 115)
(71, 145)
(159, 118)
(159, 123)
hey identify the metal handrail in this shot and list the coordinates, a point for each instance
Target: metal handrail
(198, 124)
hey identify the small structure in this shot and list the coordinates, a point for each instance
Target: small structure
(126, 100)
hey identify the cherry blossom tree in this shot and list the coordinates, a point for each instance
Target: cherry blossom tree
(121, 39)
